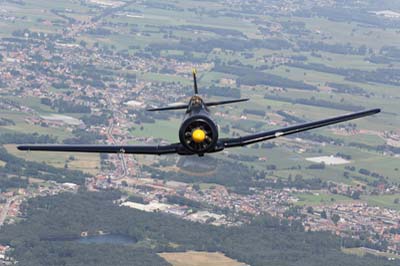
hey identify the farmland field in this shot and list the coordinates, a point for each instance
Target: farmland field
(192, 258)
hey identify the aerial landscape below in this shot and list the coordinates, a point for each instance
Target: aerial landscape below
(109, 81)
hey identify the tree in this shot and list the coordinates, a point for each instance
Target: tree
(356, 195)
(323, 215)
(196, 187)
(335, 218)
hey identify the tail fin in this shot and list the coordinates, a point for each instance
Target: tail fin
(196, 91)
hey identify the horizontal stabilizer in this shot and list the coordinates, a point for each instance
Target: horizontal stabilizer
(173, 107)
(226, 102)
(185, 106)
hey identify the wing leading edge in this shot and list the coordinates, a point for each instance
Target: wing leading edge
(133, 149)
(250, 139)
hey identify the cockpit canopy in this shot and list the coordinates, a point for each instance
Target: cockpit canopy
(195, 103)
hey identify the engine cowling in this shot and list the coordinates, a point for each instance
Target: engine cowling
(199, 134)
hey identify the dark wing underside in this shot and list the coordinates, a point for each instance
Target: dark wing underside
(133, 149)
(249, 139)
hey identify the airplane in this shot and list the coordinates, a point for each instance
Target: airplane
(198, 133)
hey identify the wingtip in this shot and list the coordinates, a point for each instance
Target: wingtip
(152, 109)
(22, 148)
(374, 111)
(241, 100)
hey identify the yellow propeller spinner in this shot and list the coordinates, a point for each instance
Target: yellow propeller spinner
(198, 135)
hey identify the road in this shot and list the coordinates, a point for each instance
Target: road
(120, 156)
(115, 113)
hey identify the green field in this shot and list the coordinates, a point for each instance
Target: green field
(21, 125)
(361, 252)
(386, 201)
(319, 198)
(163, 129)
(86, 162)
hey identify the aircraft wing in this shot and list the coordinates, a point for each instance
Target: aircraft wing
(249, 139)
(130, 149)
